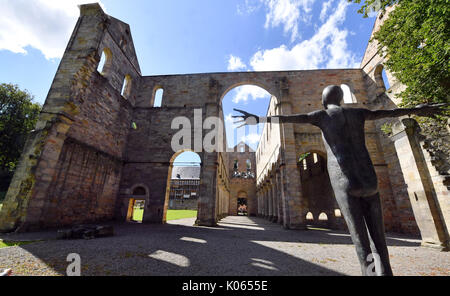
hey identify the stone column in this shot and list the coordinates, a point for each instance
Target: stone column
(274, 200)
(279, 198)
(263, 197)
(421, 189)
(258, 194)
(294, 203)
(207, 200)
(270, 200)
(266, 202)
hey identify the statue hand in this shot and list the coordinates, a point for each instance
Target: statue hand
(431, 109)
(246, 118)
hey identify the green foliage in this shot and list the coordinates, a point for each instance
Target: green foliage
(372, 6)
(303, 156)
(415, 40)
(386, 129)
(18, 116)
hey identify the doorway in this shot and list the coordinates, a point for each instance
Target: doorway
(136, 205)
(242, 207)
(136, 210)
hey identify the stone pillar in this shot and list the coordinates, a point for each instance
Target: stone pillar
(279, 199)
(266, 202)
(269, 200)
(421, 189)
(207, 200)
(294, 203)
(263, 196)
(259, 202)
(274, 200)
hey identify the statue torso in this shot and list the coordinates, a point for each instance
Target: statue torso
(349, 164)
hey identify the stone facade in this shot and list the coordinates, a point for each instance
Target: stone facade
(242, 186)
(94, 144)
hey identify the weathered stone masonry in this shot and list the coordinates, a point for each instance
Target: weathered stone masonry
(85, 157)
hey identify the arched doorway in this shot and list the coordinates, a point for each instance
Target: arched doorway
(242, 204)
(136, 204)
(183, 186)
(242, 145)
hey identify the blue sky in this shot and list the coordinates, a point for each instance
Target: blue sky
(192, 36)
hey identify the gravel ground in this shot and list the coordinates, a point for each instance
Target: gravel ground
(238, 246)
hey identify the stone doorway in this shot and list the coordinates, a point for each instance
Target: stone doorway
(136, 210)
(136, 205)
(242, 206)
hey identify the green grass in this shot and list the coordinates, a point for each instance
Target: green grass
(137, 214)
(4, 244)
(171, 214)
(180, 214)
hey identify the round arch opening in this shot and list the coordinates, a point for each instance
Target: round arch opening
(183, 186)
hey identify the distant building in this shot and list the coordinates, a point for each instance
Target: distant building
(242, 170)
(184, 188)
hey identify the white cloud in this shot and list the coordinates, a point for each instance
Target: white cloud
(248, 7)
(246, 92)
(229, 118)
(42, 24)
(251, 139)
(325, 7)
(235, 63)
(326, 48)
(288, 13)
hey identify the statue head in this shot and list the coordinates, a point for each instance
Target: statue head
(332, 95)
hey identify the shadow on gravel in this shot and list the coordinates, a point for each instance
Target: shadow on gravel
(171, 249)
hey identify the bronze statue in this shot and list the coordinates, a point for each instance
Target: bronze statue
(351, 171)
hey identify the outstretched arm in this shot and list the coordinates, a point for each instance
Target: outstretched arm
(251, 119)
(421, 110)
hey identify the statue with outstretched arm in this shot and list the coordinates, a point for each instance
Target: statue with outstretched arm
(350, 168)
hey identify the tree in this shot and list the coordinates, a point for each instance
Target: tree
(18, 116)
(415, 40)
(373, 6)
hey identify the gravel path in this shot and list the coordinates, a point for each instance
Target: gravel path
(238, 246)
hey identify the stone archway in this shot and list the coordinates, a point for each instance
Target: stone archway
(169, 182)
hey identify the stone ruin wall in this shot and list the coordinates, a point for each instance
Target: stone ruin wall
(71, 165)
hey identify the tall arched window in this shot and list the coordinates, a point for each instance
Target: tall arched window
(381, 79)
(105, 61)
(157, 102)
(349, 97)
(126, 87)
(387, 85)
